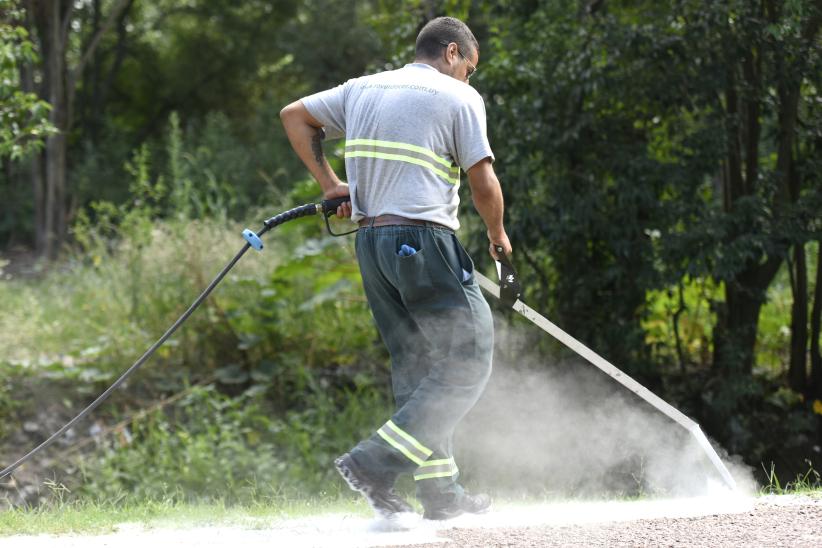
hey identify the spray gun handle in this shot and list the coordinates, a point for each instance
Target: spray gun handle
(329, 207)
(503, 258)
(509, 287)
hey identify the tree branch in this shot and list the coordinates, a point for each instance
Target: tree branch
(118, 8)
(534, 265)
(64, 31)
(753, 81)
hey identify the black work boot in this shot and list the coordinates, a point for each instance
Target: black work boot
(472, 504)
(381, 498)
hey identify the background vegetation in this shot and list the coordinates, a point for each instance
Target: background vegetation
(661, 169)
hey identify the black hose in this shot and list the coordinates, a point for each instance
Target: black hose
(291, 214)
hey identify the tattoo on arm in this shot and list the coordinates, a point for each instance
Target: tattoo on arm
(317, 145)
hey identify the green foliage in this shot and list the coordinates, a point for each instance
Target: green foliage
(213, 447)
(695, 314)
(591, 190)
(297, 344)
(613, 131)
(24, 120)
(297, 370)
(261, 55)
(9, 402)
(684, 313)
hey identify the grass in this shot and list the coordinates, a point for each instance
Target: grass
(117, 303)
(808, 483)
(103, 517)
(59, 517)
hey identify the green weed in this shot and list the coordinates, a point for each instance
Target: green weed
(810, 481)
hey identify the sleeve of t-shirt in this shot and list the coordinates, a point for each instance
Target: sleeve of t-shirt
(328, 107)
(470, 135)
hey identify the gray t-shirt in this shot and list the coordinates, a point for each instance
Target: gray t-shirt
(408, 132)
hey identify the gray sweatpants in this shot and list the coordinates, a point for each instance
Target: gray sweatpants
(439, 331)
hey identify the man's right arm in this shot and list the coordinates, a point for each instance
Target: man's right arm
(306, 135)
(487, 195)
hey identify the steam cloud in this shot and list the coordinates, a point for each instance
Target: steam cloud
(563, 429)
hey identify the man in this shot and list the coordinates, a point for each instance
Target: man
(408, 132)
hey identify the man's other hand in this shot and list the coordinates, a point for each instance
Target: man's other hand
(499, 240)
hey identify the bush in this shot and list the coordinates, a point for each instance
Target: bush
(288, 366)
(236, 450)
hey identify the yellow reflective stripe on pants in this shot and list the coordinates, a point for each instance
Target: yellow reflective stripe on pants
(438, 468)
(404, 442)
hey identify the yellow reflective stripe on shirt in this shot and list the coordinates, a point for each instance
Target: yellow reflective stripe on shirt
(402, 152)
(404, 442)
(401, 158)
(401, 146)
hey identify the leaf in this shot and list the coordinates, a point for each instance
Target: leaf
(328, 294)
(231, 374)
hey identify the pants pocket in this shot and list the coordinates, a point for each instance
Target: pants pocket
(414, 279)
(466, 264)
(457, 259)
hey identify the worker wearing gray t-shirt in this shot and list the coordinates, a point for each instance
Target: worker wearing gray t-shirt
(408, 133)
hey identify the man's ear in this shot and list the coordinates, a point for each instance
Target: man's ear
(447, 54)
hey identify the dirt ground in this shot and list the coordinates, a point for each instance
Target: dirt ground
(708, 521)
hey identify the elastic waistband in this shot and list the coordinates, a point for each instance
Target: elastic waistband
(398, 220)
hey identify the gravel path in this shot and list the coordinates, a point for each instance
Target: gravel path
(708, 521)
(773, 521)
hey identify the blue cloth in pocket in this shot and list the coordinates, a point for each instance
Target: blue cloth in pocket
(406, 250)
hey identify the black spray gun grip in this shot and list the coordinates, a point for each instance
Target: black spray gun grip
(329, 207)
(509, 287)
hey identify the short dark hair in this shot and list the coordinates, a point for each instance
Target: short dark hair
(444, 30)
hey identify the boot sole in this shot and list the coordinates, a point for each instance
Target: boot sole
(357, 482)
(443, 515)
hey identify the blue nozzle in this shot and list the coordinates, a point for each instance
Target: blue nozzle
(252, 239)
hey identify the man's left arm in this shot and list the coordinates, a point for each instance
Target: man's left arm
(488, 201)
(473, 153)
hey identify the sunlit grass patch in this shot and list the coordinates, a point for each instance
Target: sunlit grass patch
(110, 517)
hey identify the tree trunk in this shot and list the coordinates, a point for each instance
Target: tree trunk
(738, 316)
(816, 321)
(56, 144)
(815, 391)
(34, 169)
(52, 19)
(680, 355)
(738, 320)
(798, 369)
(35, 173)
(735, 336)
